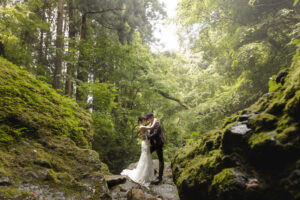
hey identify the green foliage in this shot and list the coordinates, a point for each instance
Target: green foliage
(127, 17)
(273, 85)
(103, 95)
(19, 27)
(236, 46)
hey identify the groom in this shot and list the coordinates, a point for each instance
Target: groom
(157, 141)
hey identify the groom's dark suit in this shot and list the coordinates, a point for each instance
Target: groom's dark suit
(157, 141)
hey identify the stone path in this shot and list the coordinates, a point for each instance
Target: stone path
(123, 188)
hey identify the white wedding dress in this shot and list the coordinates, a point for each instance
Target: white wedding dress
(144, 171)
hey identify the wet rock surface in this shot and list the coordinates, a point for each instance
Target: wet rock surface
(240, 129)
(131, 190)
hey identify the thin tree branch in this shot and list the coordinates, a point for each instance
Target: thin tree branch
(103, 11)
(167, 96)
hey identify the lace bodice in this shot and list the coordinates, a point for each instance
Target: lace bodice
(143, 132)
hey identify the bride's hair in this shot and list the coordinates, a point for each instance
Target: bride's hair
(141, 118)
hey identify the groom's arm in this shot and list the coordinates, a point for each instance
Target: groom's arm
(150, 126)
(155, 130)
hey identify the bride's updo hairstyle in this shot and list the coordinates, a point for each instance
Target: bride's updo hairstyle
(141, 118)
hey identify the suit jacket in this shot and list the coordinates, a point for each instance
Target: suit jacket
(156, 136)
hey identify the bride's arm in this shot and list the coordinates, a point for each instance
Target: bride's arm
(149, 127)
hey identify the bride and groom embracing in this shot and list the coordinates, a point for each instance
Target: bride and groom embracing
(152, 140)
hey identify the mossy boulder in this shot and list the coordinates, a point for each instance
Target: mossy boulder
(254, 156)
(228, 184)
(45, 142)
(30, 108)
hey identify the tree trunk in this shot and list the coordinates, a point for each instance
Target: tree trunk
(83, 27)
(40, 49)
(59, 46)
(82, 75)
(47, 40)
(40, 69)
(72, 33)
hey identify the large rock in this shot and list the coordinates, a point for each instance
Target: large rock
(45, 142)
(138, 194)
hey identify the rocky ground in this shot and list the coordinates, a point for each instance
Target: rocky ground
(123, 188)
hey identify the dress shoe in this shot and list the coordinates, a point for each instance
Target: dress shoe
(156, 181)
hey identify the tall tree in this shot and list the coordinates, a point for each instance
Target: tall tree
(59, 46)
(72, 34)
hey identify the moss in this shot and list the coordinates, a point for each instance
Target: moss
(196, 164)
(3, 172)
(288, 133)
(224, 179)
(104, 169)
(292, 92)
(262, 103)
(259, 138)
(276, 106)
(30, 108)
(263, 121)
(11, 193)
(293, 77)
(230, 120)
(293, 105)
(5, 139)
(52, 176)
(201, 167)
(65, 178)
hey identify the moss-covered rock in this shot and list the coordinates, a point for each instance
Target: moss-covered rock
(228, 184)
(255, 156)
(30, 108)
(45, 142)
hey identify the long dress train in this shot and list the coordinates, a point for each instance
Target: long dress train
(144, 171)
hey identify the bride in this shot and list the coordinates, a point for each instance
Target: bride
(144, 172)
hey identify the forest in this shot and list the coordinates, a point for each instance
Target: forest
(97, 56)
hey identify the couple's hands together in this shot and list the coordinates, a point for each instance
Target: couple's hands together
(150, 126)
